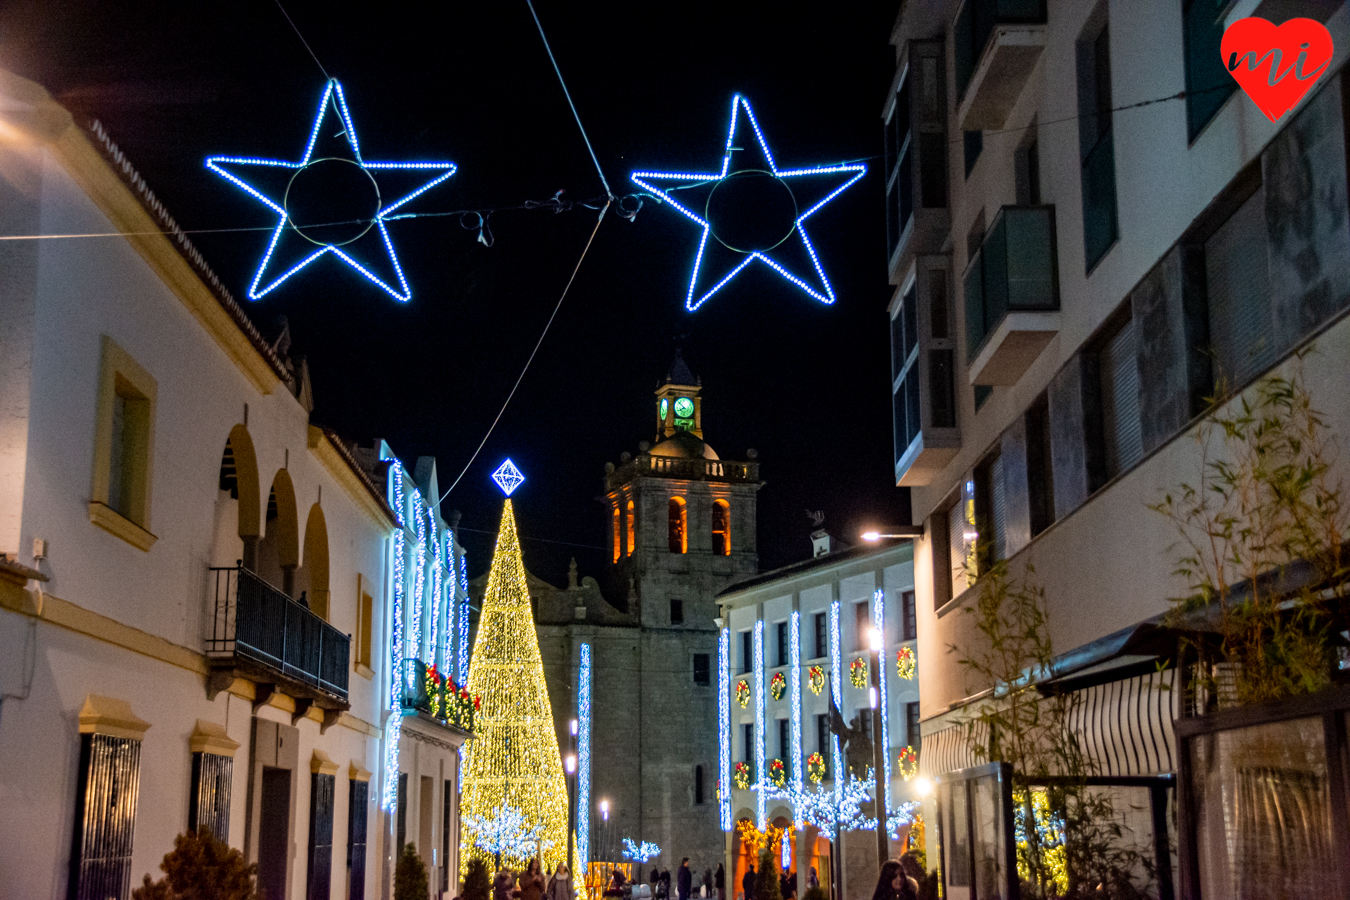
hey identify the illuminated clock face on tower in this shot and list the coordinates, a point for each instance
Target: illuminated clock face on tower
(665, 404)
(684, 408)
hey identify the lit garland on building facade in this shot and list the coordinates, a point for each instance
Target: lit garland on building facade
(795, 658)
(759, 721)
(583, 833)
(724, 728)
(879, 623)
(513, 758)
(836, 757)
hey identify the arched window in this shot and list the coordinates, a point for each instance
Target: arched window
(721, 528)
(631, 529)
(679, 541)
(618, 537)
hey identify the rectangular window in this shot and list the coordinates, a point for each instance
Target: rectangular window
(1208, 84)
(989, 513)
(320, 856)
(898, 169)
(357, 796)
(209, 802)
(124, 447)
(784, 643)
(1118, 371)
(963, 569)
(784, 741)
(677, 612)
(747, 652)
(105, 816)
(908, 618)
(1237, 279)
(365, 615)
(1040, 470)
(698, 785)
(1095, 145)
(402, 825)
(823, 736)
(1027, 170)
(701, 674)
(912, 736)
(748, 743)
(862, 619)
(822, 643)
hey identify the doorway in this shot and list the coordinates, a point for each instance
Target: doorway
(274, 832)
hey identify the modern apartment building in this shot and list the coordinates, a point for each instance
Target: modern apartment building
(795, 642)
(1092, 233)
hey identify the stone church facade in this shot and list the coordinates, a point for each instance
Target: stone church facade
(681, 529)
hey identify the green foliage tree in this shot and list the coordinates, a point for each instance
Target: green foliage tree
(200, 867)
(477, 880)
(767, 885)
(1068, 835)
(1263, 547)
(815, 893)
(410, 876)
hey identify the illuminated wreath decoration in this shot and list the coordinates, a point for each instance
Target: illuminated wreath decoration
(742, 777)
(904, 663)
(777, 686)
(815, 767)
(909, 763)
(816, 679)
(857, 672)
(743, 693)
(777, 773)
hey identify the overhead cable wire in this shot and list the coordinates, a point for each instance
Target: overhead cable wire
(326, 76)
(537, 345)
(568, 94)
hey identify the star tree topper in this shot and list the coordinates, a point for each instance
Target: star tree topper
(713, 263)
(332, 139)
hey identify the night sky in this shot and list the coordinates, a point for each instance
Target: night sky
(803, 383)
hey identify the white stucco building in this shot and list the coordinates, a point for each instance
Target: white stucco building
(197, 584)
(790, 639)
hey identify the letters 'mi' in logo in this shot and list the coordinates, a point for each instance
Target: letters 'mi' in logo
(1250, 44)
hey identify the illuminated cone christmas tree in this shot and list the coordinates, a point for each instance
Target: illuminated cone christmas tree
(513, 759)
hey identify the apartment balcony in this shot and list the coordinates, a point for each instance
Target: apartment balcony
(424, 690)
(997, 45)
(1012, 295)
(260, 634)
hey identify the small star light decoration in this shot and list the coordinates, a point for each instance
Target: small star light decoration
(508, 477)
(750, 179)
(329, 202)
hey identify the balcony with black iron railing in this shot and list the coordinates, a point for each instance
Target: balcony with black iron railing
(258, 633)
(678, 467)
(424, 690)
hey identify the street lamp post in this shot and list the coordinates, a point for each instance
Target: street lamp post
(879, 750)
(571, 763)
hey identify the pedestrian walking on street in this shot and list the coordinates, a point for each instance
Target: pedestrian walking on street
(787, 885)
(684, 879)
(894, 884)
(665, 883)
(812, 879)
(560, 885)
(748, 882)
(720, 882)
(504, 884)
(532, 882)
(707, 883)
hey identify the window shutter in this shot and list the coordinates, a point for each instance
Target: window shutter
(956, 527)
(1120, 401)
(1237, 273)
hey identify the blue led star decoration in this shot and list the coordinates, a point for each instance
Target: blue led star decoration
(508, 477)
(331, 175)
(793, 255)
